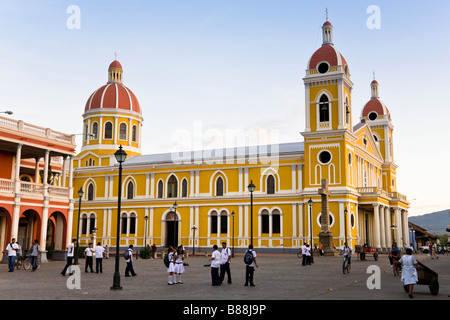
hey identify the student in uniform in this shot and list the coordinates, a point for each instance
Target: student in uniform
(70, 253)
(88, 255)
(225, 259)
(129, 269)
(179, 266)
(215, 264)
(99, 257)
(250, 268)
(12, 249)
(171, 269)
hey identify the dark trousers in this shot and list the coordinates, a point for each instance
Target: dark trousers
(225, 268)
(88, 264)
(99, 265)
(215, 276)
(33, 261)
(306, 260)
(68, 264)
(129, 269)
(249, 275)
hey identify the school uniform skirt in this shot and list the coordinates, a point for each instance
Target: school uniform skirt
(179, 267)
(171, 268)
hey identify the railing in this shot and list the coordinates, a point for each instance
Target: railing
(21, 126)
(6, 186)
(379, 191)
(34, 189)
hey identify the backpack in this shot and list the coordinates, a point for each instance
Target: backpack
(166, 261)
(126, 255)
(248, 257)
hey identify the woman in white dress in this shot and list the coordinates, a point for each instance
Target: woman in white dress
(179, 266)
(409, 271)
(171, 268)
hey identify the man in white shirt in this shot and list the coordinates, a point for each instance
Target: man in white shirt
(250, 268)
(129, 269)
(12, 249)
(88, 254)
(70, 254)
(98, 250)
(225, 259)
(215, 264)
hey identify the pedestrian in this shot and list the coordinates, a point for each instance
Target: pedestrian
(409, 271)
(303, 248)
(434, 249)
(215, 264)
(171, 268)
(70, 253)
(225, 260)
(34, 252)
(99, 250)
(250, 267)
(179, 265)
(88, 255)
(347, 252)
(308, 254)
(129, 269)
(153, 251)
(12, 249)
(321, 249)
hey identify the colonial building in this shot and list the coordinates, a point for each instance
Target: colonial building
(35, 188)
(202, 198)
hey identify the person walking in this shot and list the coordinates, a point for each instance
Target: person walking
(12, 249)
(179, 265)
(88, 255)
(99, 250)
(215, 264)
(303, 248)
(409, 271)
(225, 260)
(34, 253)
(306, 255)
(70, 253)
(129, 269)
(250, 267)
(171, 268)
(153, 251)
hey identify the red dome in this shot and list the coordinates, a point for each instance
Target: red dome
(329, 54)
(327, 23)
(375, 105)
(113, 95)
(115, 64)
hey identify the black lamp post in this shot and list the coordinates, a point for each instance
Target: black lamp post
(310, 204)
(145, 235)
(120, 155)
(232, 250)
(80, 195)
(251, 188)
(193, 241)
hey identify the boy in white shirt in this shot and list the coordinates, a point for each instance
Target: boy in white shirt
(88, 255)
(70, 254)
(225, 259)
(98, 250)
(12, 249)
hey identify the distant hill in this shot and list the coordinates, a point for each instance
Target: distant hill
(435, 222)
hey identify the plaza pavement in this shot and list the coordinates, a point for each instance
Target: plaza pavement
(279, 277)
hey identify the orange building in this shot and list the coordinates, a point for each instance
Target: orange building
(35, 187)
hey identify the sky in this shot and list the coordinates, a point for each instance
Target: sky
(204, 68)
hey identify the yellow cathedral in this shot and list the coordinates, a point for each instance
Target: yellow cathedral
(201, 201)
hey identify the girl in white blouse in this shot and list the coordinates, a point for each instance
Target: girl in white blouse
(179, 266)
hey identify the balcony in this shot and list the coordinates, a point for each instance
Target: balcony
(30, 189)
(375, 192)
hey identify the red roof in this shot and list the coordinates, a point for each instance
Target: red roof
(115, 64)
(327, 23)
(113, 96)
(375, 105)
(329, 54)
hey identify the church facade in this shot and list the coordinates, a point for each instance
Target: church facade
(203, 198)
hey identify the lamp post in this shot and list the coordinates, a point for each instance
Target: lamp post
(345, 224)
(193, 241)
(232, 242)
(175, 234)
(310, 204)
(145, 232)
(251, 188)
(80, 195)
(120, 155)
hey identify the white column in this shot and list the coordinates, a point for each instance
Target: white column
(63, 178)
(294, 178)
(307, 109)
(387, 222)
(398, 229)
(36, 170)
(69, 223)
(300, 222)
(241, 225)
(405, 228)
(376, 227)
(44, 223)
(341, 224)
(382, 228)
(17, 168)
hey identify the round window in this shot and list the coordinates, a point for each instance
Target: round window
(325, 157)
(323, 67)
(373, 116)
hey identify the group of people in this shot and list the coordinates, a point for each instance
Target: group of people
(220, 265)
(14, 251)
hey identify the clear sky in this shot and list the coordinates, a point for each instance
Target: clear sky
(235, 65)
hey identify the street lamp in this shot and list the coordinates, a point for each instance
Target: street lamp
(193, 241)
(251, 188)
(80, 195)
(232, 250)
(175, 235)
(145, 235)
(120, 155)
(310, 204)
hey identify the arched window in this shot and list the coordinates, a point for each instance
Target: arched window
(108, 130)
(123, 131)
(347, 112)
(324, 109)
(172, 187)
(91, 223)
(184, 188)
(270, 184)
(84, 220)
(124, 221)
(160, 189)
(276, 221)
(132, 223)
(95, 130)
(134, 133)
(265, 221)
(130, 190)
(223, 222)
(219, 187)
(90, 195)
(213, 217)
(86, 131)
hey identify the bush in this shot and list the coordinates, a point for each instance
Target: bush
(145, 253)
